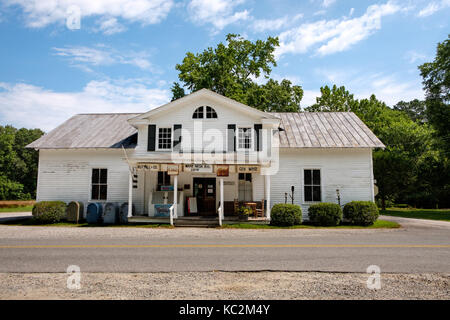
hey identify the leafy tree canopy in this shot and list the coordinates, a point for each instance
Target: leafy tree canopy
(231, 69)
(415, 109)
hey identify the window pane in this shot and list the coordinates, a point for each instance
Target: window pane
(95, 191)
(316, 194)
(95, 175)
(308, 193)
(316, 177)
(103, 175)
(241, 176)
(308, 178)
(248, 177)
(103, 191)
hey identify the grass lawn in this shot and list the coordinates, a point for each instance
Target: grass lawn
(17, 209)
(431, 214)
(379, 224)
(31, 222)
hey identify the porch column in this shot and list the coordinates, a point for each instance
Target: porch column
(175, 196)
(267, 190)
(222, 204)
(130, 194)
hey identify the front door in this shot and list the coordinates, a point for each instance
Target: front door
(205, 192)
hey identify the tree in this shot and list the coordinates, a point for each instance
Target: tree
(415, 109)
(18, 166)
(177, 91)
(335, 99)
(230, 70)
(436, 81)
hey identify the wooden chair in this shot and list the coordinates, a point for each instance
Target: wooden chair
(260, 211)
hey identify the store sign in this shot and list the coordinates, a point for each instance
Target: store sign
(198, 167)
(223, 170)
(172, 169)
(148, 166)
(248, 169)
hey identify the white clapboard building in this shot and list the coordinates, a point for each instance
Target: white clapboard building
(206, 155)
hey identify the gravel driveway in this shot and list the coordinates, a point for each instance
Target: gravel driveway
(224, 285)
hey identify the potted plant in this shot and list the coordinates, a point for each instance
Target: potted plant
(244, 212)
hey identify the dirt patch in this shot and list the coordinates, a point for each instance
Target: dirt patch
(16, 203)
(224, 285)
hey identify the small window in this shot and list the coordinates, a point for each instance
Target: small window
(244, 138)
(211, 113)
(245, 187)
(99, 184)
(312, 187)
(164, 138)
(163, 180)
(198, 113)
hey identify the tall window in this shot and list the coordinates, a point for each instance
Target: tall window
(312, 185)
(163, 180)
(211, 113)
(245, 187)
(165, 138)
(244, 138)
(99, 184)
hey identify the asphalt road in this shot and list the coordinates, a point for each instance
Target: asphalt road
(420, 246)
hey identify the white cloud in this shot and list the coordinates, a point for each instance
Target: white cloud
(83, 56)
(334, 35)
(327, 3)
(261, 25)
(433, 7)
(41, 13)
(388, 88)
(413, 56)
(25, 105)
(219, 13)
(110, 26)
(309, 98)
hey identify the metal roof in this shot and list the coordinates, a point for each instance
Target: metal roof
(300, 130)
(325, 130)
(107, 130)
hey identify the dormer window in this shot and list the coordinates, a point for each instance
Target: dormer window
(200, 113)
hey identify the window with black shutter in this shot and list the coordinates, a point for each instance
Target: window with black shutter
(99, 181)
(312, 185)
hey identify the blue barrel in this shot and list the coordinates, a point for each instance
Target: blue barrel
(123, 216)
(94, 212)
(111, 213)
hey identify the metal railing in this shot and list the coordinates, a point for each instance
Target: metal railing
(171, 214)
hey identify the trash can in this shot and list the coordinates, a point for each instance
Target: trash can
(123, 216)
(94, 212)
(111, 213)
(75, 211)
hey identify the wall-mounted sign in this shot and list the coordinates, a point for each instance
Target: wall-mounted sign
(228, 183)
(248, 169)
(172, 169)
(148, 166)
(198, 167)
(223, 170)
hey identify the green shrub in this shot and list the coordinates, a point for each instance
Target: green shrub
(286, 215)
(325, 214)
(361, 213)
(49, 211)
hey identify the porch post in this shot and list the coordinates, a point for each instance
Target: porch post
(175, 196)
(222, 205)
(130, 193)
(267, 189)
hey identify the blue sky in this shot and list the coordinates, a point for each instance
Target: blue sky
(122, 57)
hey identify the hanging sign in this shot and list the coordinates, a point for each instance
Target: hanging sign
(148, 166)
(198, 167)
(248, 169)
(172, 169)
(223, 170)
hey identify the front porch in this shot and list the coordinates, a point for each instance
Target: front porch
(197, 221)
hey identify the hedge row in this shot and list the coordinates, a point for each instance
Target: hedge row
(49, 211)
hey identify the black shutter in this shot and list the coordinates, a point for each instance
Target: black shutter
(176, 137)
(151, 143)
(258, 137)
(231, 137)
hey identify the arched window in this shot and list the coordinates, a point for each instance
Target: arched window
(210, 113)
(199, 113)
